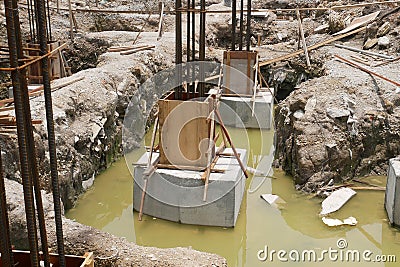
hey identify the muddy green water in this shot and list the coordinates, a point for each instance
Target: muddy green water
(293, 225)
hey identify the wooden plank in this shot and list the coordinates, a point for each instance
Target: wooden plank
(125, 48)
(303, 40)
(89, 260)
(318, 45)
(38, 91)
(187, 168)
(370, 53)
(183, 126)
(242, 61)
(129, 52)
(228, 70)
(71, 23)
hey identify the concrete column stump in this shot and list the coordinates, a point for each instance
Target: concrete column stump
(392, 195)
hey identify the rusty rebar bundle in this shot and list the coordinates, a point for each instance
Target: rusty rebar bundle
(178, 48)
(248, 40)
(233, 25)
(19, 82)
(42, 38)
(40, 31)
(7, 259)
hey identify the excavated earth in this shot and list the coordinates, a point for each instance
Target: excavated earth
(88, 116)
(340, 122)
(332, 122)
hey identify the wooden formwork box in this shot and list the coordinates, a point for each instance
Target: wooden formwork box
(184, 130)
(244, 62)
(55, 64)
(22, 258)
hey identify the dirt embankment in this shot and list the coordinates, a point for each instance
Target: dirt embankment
(109, 250)
(344, 123)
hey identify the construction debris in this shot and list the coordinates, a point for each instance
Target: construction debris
(359, 22)
(336, 200)
(336, 222)
(272, 199)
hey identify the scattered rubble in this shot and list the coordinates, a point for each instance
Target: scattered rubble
(345, 107)
(336, 200)
(336, 222)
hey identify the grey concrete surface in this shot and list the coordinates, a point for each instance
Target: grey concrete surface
(177, 195)
(237, 111)
(392, 196)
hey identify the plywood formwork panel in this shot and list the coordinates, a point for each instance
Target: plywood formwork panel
(242, 61)
(55, 64)
(184, 132)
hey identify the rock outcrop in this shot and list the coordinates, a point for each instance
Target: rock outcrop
(338, 126)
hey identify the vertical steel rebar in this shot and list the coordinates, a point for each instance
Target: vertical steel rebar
(202, 46)
(30, 21)
(71, 23)
(30, 143)
(233, 25)
(14, 42)
(49, 37)
(188, 48)
(241, 26)
(7, 259)
(50, 129)
(178, 48)
(248, 25)
(193, 44)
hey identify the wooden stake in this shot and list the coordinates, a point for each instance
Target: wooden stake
(262, 78)
(149, 170)
(71, 23)
(160, 24)
(153, 138)
(141, 30)
(225, 132)
(74, 21)
(211, 145)
(303, 40)
(142, 199)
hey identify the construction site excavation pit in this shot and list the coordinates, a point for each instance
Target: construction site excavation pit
(108, 206)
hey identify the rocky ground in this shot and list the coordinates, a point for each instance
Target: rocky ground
(88, 117)
(341, 122)
(109, 250)
(333, 121)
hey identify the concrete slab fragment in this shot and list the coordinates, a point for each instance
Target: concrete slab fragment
(336, 200)
(336, 222)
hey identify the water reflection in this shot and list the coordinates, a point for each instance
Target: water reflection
(293, 225)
